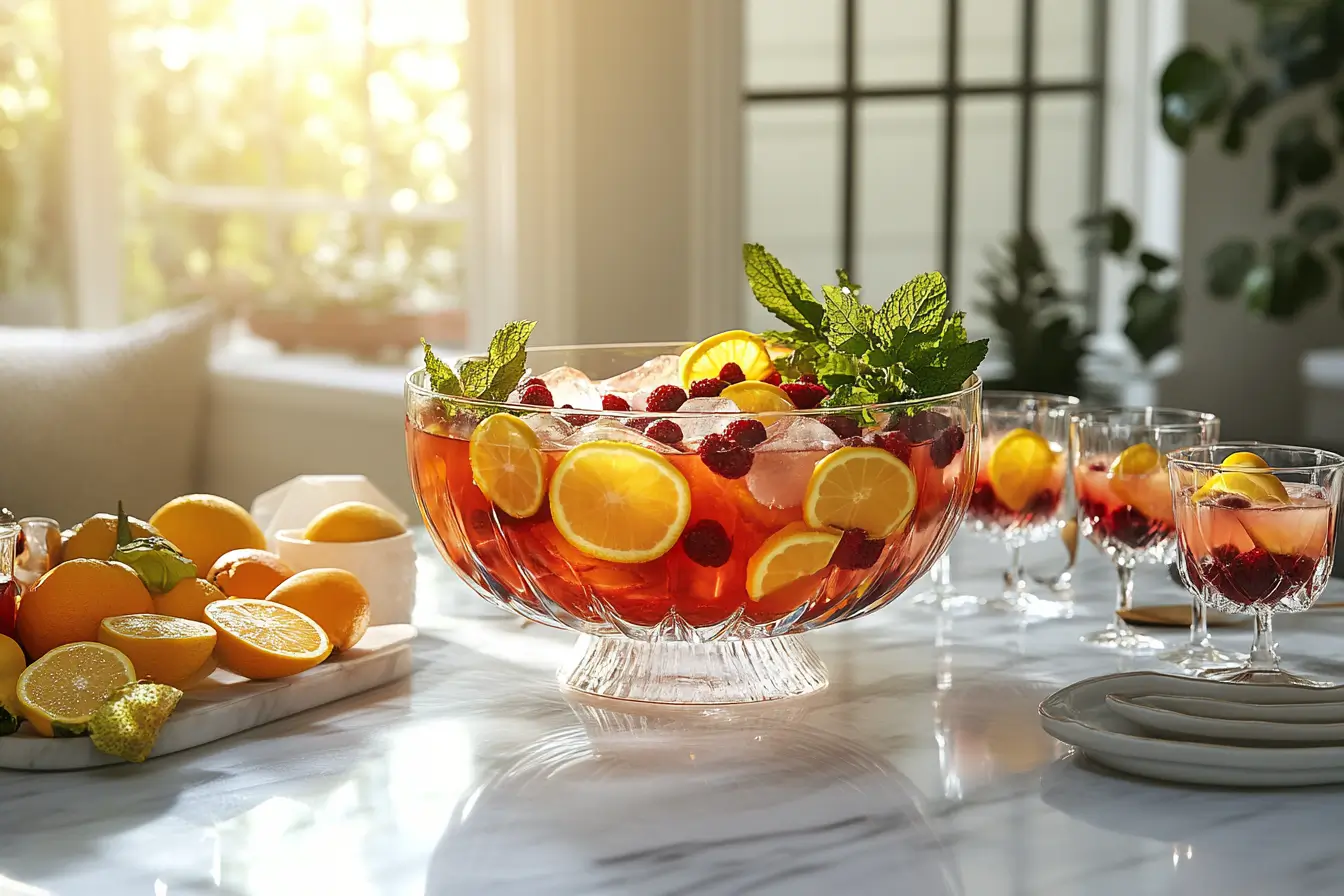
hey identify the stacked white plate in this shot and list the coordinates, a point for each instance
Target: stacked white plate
(1196, 731)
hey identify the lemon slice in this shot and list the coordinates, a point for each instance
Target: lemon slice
(860, 488)
(62, 689)
(507, 465)
(707, 358)
(620, 502)
(1258, 488)
(794, 552)
(1128, 479)
(1136, 460)
(756, 397)
(1021, 465)
(1243, 459)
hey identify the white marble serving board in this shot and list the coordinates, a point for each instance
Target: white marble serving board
(226, 704)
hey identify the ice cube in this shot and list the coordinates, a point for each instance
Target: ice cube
(552, 430)
(784, 461)
(610, 430)
(693, 429)
(653, 372)
(572, 387)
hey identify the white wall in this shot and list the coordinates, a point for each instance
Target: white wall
(1243, 368)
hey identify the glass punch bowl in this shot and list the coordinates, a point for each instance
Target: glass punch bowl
(713, 619)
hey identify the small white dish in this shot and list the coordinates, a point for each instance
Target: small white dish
(1313, 713)
(1081, 716)
(1180, 725)
(386, 568)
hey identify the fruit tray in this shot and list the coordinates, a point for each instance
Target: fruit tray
(226, 704)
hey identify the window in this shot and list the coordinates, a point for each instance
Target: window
(891, 136)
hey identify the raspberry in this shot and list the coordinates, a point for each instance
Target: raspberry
(639, 423)
(809, 378)
(707, 543)
(1233, 502)
(577, 419)
(732, 373)
(856, 550)
(1042, 503)
(856, 442)
(723, 457)
(535, 381)
(923, 426)
(805, 396)
(707, 388)
(539, 396)
(666, 399)
(747, 433)
(897, 443)
(844, 427)
(664, 431)
(946, 446)
(1097, 466)
(614, 403)
(773, 378)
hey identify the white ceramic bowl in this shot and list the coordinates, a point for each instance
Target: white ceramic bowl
(385, 567)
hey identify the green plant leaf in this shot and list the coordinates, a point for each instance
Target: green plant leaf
(781, 291)
(1227, 267)
(1316, 221)
(1154, 313)
(1194, 88)
(848, 323)
(442, 378)
(1154, 263)
(1299, 158)
(918, 307)
(124, 534)
(848, 396)
(790, 339)
(1254, 98)
(1299, 278)
(1109, 230)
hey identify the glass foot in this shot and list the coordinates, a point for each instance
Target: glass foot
(1123, 639)
(1196, 658)
(946, 601)
(686, 673)
(1246, 675)
(1024, 603)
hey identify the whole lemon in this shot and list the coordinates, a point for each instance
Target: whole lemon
(96, 537)
(353, 521)
(203, 527)
(333, 598)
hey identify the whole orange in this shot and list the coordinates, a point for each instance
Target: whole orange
(187, 600)
(333, 598)
(248, 572)
(72, 599)
(203, 527)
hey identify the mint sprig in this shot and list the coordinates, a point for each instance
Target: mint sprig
(490, 378)
(909, 348)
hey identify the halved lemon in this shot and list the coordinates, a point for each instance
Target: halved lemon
(507, 465)
(1258, 488)
(164, 649)
(264, 639)
(794, 552)
(860, 488)
(706, 359)
(756, 397)
(1021, 465)
(63, 688)
(620, 502)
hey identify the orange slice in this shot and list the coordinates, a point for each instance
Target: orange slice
(507, 465)
(1021, 465)
(619, 502)
(706, 359)
(757, 398)
(860, 488)
(794, 552)
(264, 639)
(164, 649)
(63, 688)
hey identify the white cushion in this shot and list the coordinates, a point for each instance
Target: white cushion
(88, 418)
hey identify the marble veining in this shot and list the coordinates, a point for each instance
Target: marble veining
(920, 770)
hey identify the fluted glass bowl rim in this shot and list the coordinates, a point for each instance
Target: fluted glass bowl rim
(416, 388)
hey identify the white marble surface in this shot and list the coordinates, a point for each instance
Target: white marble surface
(921, 770)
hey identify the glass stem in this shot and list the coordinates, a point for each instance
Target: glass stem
(1015, 579)
(941, 575)
(1199, 621)
(1263, 658)
(1124, 596)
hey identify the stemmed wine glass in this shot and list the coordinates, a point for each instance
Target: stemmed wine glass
(1125, 509)
(1255, 525)
(1020, 484)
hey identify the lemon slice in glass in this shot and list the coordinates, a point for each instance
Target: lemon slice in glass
(619, 502)
(705, 359)
(860, 488)
(507, 465)
(757, 398)
(1021, 465)
(794, 552)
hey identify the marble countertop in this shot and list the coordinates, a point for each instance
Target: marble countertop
(920, 770)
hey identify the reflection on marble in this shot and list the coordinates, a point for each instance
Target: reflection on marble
(921, 769)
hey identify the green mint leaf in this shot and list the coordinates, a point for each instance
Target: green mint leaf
(846, 396)
(789, 339)
(493, 377)
(442, 379)
(917, 307)
(949, 372)
(781, 292)
(842, 277)
(848, 323)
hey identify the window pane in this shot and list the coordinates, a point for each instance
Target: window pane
(421, 129)
(793, 190)
(793, 43)
(991, 40)
(986, 192)
(32, 217)
(1062, 180)
(901, 41)
(1064, 38)
(899, 193)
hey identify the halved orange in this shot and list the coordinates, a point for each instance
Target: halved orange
(507, 465)
(756, 397)
(164, 649)
(794, 552)
(1021, 465)
(706, 359)
(264, 639)
(619, 502)
(860, 488)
